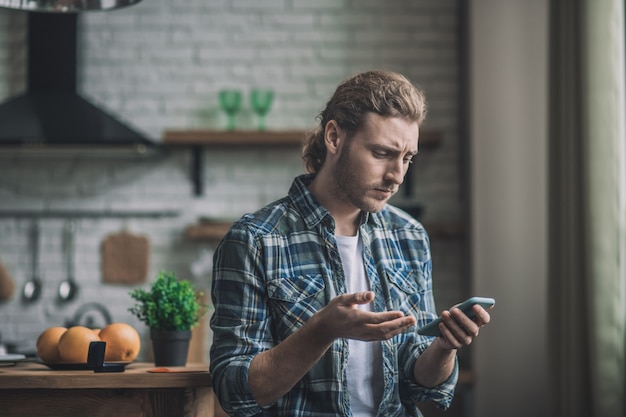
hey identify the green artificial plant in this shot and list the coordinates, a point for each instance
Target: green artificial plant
(170, 304)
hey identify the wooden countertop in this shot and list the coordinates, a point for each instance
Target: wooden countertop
(32, 375)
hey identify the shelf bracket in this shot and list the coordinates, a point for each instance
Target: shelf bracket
(197, 171)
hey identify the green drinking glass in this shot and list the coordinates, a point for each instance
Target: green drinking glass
(230, 103)
(261, 102)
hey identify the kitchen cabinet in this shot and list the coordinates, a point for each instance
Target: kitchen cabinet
(198, 140)
(31, 389)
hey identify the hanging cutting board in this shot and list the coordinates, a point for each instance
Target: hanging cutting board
(7, 286)
(125, 258)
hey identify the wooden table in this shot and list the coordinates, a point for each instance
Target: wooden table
(32, 389)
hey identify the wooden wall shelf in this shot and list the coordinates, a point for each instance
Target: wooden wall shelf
(227, 138)
(210, 232)
(219, 138)
(198, 139)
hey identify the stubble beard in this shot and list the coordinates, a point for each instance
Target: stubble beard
(352, 190)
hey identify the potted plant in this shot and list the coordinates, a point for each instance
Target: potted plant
(171, 308)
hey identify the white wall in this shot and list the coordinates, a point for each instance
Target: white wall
(509, 202)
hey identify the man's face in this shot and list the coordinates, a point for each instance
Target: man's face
(372, 164)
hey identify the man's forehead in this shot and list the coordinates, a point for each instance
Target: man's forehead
(391, 132)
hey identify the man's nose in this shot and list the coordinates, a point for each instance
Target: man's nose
(396, 171)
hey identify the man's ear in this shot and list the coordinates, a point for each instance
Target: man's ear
(334, 137)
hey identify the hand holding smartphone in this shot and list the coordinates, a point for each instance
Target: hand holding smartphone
(432, 328)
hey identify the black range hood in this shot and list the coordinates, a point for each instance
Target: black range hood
(51, 113)
(65, 6)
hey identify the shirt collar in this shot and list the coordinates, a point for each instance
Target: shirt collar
(312, 211)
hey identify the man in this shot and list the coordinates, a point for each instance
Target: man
(317, 296)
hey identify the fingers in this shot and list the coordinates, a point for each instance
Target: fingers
(366, 297)
(385, 329)
(482, 316)
(363, 297)
(459, 330)
(385, 316)
(353, 323)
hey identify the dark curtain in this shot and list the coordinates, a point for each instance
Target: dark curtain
(587, 211)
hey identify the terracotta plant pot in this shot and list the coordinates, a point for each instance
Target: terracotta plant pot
(170, 347)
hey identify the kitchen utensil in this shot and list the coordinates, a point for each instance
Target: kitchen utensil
(261, 102)
(7, 286)
(230, 102)
(68, 288)
(32, 288)
(10, 359)
(92, 314)
(125, 258)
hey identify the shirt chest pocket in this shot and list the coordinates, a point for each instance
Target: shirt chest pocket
(295, 299)
(404, 292)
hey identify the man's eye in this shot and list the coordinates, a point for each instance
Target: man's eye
(408, 160)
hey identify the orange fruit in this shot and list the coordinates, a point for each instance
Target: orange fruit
(48, 344)
(123, 342)
(74, 344)
(96, 331)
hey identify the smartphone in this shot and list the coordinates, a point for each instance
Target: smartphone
(432, 328)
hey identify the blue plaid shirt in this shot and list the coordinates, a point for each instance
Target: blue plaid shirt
(277, 267)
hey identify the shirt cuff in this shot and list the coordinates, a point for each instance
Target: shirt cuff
(235, 391)
(441, 394)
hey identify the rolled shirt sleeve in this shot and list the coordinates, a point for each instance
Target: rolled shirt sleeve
(441, 394)
(239, 323)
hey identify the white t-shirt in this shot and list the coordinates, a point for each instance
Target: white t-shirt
(365, 371)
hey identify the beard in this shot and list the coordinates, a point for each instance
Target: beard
(350, 187)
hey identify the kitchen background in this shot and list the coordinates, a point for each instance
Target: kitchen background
(159, 65)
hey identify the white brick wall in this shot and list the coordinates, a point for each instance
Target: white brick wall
(159, 65)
